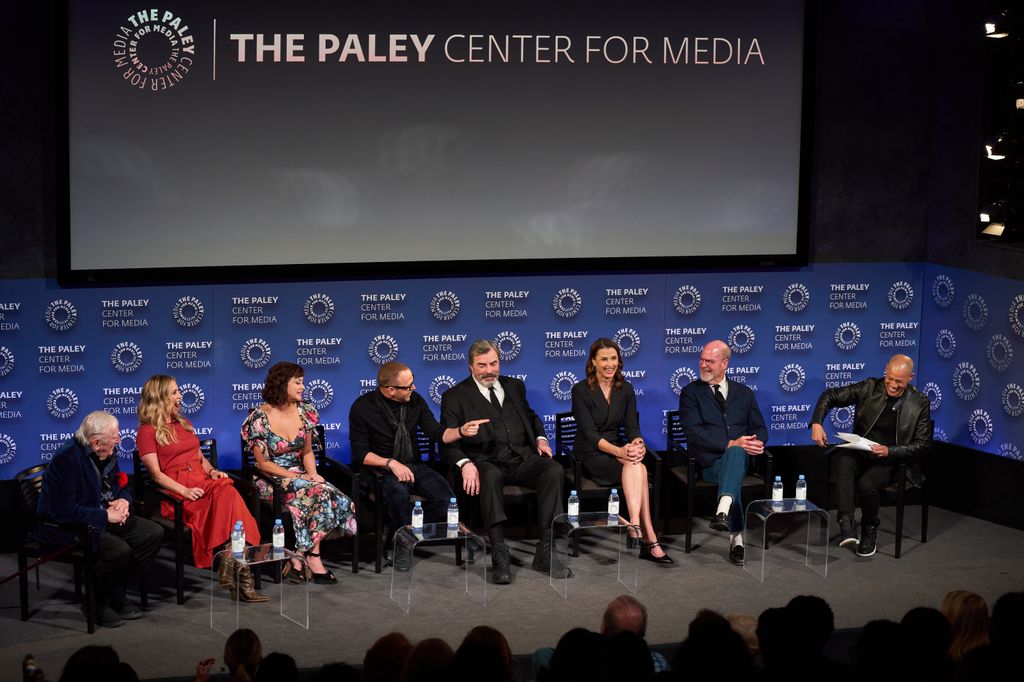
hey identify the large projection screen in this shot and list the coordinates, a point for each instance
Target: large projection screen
(311, 139)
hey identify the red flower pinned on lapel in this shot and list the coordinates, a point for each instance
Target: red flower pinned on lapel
(122, 479)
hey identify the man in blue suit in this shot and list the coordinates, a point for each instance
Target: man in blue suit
(723, 425)
(83, 485)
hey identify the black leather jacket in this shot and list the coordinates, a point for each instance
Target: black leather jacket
(913, 415)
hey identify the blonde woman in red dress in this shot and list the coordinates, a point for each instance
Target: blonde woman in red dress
(170, 451)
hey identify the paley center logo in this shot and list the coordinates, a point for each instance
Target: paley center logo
(8, 449)
(628, 340)
(61, 315)
(383, 348)
(1010, 451)
(62, 403)
(975, 311)
(945, 344)
(901, 295)
(153, 49)
(6, 361)
(509, 345)
(126, 357)
(188, 312)
(686, 299)
(255, 353)
(567, 302)
(979, 426)
(1016, 314)
(320, 393)
(792, 378)
(847, 336)
(934, 393)
(966, 381)
(741, 339)
(842, 417)
(796, 297)
(562, 383)
(943, 291)
(1013, 400)
(445, 306)
(192, 398)
(438, 386)
(126, 442)
(319, 308)
(680, 378)
(999, 352)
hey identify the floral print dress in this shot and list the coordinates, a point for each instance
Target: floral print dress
(316, 509)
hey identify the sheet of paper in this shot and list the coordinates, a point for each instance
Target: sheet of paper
(854, 442)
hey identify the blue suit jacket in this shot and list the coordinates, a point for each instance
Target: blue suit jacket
(72, 492)
(708, 429)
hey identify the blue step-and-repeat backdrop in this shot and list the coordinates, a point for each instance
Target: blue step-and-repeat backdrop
(64, 352)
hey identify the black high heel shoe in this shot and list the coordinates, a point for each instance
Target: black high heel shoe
(645, 553)
(294, 575)
(325, 578)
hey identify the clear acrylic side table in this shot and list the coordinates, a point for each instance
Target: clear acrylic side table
(292, 604)
(762, 513)
(565, 534)
(474, 567)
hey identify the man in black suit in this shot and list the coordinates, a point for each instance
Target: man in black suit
(723, 425)
(510, 448)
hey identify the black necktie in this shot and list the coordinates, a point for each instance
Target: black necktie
(719, 398)
(494, 398)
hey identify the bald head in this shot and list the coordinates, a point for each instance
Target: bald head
(624, 614)
(713, 361)
(898, 374)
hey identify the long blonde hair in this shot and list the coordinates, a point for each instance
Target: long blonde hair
(154, 408)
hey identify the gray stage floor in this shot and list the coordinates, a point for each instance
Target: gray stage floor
(345, 619)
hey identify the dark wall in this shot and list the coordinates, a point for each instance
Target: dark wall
(894, 147)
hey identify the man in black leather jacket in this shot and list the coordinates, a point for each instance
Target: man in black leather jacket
(897, 417)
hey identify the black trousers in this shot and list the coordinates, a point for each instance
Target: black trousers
(862, 474)
(429, 485)
(124, 552)
(540, 473)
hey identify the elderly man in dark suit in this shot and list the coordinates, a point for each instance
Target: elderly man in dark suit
(723, 425)
(510, 448)
(84, 485)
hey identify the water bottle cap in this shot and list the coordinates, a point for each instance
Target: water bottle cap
(615, 491)
(572, 493)
(277, 522)
(452, 500)
(800, 477)
(419, 503)
(778, 478)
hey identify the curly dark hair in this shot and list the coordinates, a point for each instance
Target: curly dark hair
(275, 386)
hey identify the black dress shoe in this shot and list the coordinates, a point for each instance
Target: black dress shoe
(645, 553)
(736, 555)
(720, 522)
(501, 565)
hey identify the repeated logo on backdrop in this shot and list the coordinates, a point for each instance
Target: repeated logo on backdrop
(792, 334)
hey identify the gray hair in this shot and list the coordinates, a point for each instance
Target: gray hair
(94, 423)
(480, 347)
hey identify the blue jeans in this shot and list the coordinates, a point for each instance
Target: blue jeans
(728, 472)
(428, 484)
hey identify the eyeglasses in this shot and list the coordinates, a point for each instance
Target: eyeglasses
(403, 388)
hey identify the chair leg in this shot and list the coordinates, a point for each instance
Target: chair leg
(924, 517)
(143, 594)
(90, 601)
(23, 584)
(899, 518)
(179, 569)
(378, 518)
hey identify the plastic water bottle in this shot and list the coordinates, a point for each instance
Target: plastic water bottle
(417, 517)
(613, 504)
(777, 492)
(277, 536)
(801, 488)
(453, 514)
(237, 541)
(574, 506)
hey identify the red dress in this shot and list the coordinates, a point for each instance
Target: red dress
(213, 515)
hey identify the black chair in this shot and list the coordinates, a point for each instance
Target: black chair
(79, 554)
(586, 487)
(683, 467)
(149, 494)
(909, 476)
(333, 471)
(372, 492)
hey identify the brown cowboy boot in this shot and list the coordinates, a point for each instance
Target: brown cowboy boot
(227, 573)
(246, 588)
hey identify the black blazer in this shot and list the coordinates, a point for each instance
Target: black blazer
(596, 418)
(463, 402)
(708, 429)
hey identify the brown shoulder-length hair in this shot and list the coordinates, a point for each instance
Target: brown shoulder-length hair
(967, 614)
(155, 408)
(595, 348)
(275, 386)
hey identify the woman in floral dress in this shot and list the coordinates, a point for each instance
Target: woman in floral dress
(279, 433)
